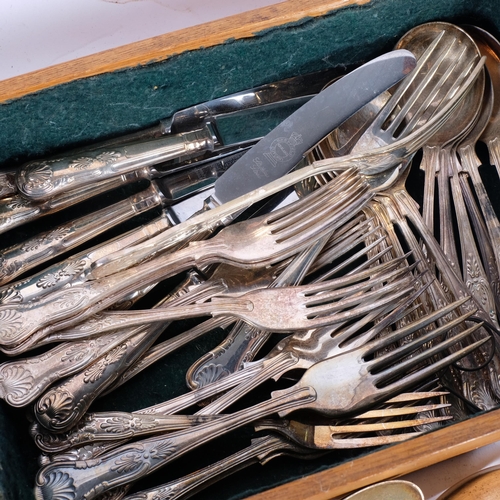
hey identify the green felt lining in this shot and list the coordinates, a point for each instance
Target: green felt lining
(103, 106)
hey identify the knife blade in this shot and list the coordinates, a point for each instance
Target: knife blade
(278, 152)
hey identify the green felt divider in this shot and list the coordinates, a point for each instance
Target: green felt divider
(106, 105)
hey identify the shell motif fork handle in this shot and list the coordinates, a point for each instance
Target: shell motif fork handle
(264, 240)
(335, 387)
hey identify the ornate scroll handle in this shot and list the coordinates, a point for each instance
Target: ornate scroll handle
(88, 479)
(44, 246)
(63, 406)
(22, 380)
(261, 450)
(67, 272)
(17, 210)
(114, 426)
(41, 180)
(7, 184)
(68, 306)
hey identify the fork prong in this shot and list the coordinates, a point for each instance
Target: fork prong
(423, 86)
(386, 426)
(316, 213)
(367, 442)
(347, 262)
(327, 194)
(417, 325)
(435, 366)
(404, 410)
(391, 357)
(432, 97)
(341, 283)
(361, 310)
(391, 105)
(405, 307)
(325, 302)
(414, 396)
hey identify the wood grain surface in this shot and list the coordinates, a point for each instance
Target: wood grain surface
(161, 47)
(391, 462)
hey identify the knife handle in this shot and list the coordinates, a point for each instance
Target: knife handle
(43, 179)
(19, 258)
(16, 210)
(7, 184)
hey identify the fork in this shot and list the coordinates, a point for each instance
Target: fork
(336, 387)
(261, 241)
(288, 308)
(306, 439)
(244, 341)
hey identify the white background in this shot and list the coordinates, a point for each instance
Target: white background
(39, 33)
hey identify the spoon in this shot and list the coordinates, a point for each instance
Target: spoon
(482, 485)
(389, 490)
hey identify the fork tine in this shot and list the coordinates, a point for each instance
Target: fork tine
(320, 321)
(386, 426)
(401, 351)
(433, 95)
(317, 212)
(404, 410)
(432, 368)
(351, 279)
(414, 396)
(416, 325)
(368, 442)
(389, 108)
(316, 198)
(423, 85)
(322, 302)
(345, 263)
(392, 314)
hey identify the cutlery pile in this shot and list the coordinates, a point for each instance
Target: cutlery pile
(351, 256)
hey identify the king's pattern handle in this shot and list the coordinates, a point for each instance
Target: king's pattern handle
(43, 179)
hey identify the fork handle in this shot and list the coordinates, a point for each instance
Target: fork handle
(44, 246)
(43, 179)
(22, 380)
(63, 406)
(261, 450)
(69, 306)
(90, 478)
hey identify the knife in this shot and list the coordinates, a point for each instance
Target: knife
(188, 133)
(276, 154)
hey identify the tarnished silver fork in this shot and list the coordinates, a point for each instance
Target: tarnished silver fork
(290, 308)
(259, 241)
(335, 387)
(307, 441)
(101, 432)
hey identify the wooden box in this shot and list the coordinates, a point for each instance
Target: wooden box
(134, 86)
